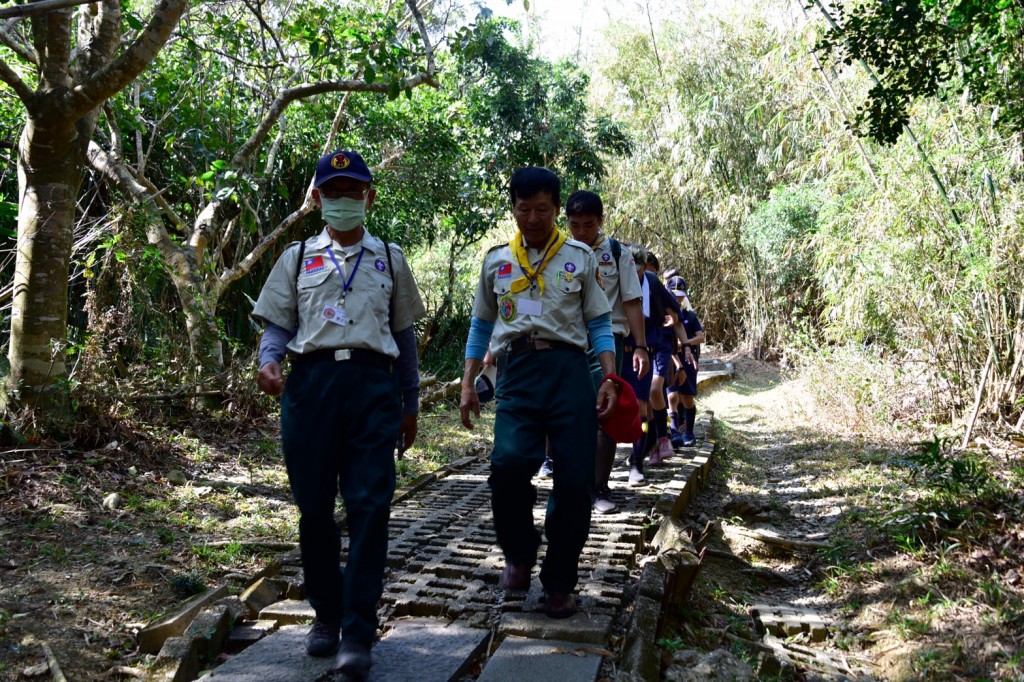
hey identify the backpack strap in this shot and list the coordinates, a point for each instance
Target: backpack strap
(616, 251)
(391, 269)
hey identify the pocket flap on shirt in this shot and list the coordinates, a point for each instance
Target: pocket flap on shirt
(313, 279)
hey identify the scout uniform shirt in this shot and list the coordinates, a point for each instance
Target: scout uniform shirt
(614, 282)
(572, 296)
(331, 318)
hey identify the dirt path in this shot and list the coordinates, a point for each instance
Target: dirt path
(891, 609)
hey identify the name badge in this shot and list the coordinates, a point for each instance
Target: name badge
(334, 314)
(529, 306)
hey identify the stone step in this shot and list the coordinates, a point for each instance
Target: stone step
(410, 651)
(520, 658)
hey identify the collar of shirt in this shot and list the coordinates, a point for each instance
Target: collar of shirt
(370, 243)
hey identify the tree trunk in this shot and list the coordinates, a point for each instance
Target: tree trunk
(48, 173)
(200, 309)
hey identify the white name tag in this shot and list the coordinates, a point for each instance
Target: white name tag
(529, 306)
(334, 314)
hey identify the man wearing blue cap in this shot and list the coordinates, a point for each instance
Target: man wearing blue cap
(341, 306)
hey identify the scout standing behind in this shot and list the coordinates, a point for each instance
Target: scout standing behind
(685, 388)
(342, 304)
(662, 344)
(657, 305)
(537, 298)
(585, 213)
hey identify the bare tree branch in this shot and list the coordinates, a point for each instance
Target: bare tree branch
(431, 67)
(140, 54)
(21, 89)
(258, 13)
(12, 40)
(286, 97)
(54, 34)
(102, 38)
(33, 8)
(123, 176)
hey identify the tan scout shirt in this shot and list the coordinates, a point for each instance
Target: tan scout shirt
(617, 287)
(319, 286)
(572, 296)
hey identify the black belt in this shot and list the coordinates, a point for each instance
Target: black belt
(524, 344)
(358, 355)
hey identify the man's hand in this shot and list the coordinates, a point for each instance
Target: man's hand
(470, 403)
(688, 356)
(607, 398)
(407, 433)
(270, 379)
(641, 362)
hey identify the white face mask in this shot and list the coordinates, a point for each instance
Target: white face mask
(343, 214)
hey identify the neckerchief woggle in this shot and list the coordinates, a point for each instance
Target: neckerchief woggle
(531, 275)
(346, 283)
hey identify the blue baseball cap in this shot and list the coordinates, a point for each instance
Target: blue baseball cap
(677, 285)
(341, 164)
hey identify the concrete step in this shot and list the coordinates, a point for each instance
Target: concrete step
(410, 651)
(520, 658)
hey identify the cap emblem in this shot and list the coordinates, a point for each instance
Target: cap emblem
(340, 161)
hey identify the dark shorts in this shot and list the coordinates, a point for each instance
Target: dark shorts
(642, 387)
(661, 359)
(687, 386)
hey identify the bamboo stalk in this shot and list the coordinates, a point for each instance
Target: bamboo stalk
(51, 662)
(978, 397)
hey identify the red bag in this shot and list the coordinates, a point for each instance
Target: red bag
(623, 425)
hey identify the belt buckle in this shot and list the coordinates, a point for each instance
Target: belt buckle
(541, 344)
(342, 354)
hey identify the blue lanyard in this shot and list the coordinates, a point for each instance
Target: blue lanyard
(352, 275)
(533, 280)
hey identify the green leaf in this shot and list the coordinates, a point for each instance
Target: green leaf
(133, 21)
(208, 175)
(219, 165)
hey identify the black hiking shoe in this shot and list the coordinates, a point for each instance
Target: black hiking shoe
(322, 640)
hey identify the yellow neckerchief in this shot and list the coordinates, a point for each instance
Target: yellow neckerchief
(529, 274)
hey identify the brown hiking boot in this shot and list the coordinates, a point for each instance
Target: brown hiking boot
(515, 578)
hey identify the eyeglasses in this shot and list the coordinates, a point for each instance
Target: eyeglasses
(357, 194)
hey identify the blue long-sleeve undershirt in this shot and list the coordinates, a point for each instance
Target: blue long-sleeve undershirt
(479, 338)
(600, 329)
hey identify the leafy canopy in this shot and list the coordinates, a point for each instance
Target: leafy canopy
(930, 48)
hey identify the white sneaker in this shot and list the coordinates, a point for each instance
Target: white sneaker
(636, 477)
(603, 503)
(546, 469)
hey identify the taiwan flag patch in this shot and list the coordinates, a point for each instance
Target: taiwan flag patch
(314, 264)
(505, 271)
